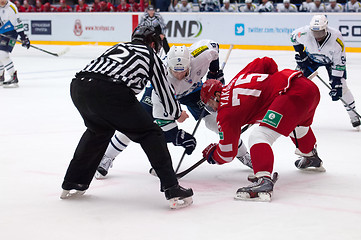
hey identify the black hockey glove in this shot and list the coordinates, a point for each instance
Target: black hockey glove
(25, 40)
(303, 61)
(216, 75)
(336, 85)
(185, 140)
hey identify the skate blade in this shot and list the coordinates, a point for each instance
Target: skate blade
(152, 172)
(99, 176)
(66, 194)
(262, 197)
(13, 85)
(176, 203)
(314, 169)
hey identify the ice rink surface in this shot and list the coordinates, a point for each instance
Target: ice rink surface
(40, 129)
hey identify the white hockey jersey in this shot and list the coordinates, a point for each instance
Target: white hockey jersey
(318, 8)
(9, 14)
(330, 52)
(291, 8)
(267, 7)
(202, 53)
(336, 8)
(353, 6)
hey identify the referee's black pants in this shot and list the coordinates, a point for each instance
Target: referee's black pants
(106, 107)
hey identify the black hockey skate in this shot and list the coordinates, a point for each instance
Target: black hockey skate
(356, 122)
(246, 160)
(13, 83)
(103, 167)
(178, 196)
(311, 163)
(71, 190)
(260, 190)
(2, 78)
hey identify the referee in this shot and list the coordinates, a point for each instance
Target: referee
(104, 94)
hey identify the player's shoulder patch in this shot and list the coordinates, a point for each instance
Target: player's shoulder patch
(13, 8)
(199, 50)
(339, 41)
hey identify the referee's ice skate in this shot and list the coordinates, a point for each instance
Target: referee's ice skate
(72, 190)
(178, 196)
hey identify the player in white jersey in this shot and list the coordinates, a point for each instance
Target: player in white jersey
(249, 7)
(306, 6)
(265, 6)
(10, 27)
(286, 6)
(318, 6)
(183, 6)
(333, 6)
(353, 6)
(186, 68)
(328, 50)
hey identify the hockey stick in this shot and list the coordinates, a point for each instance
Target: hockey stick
(203, 111)
(188, 170)
(194, 131)
(40, 49)
(328, 86)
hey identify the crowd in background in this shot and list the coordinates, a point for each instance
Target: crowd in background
(188, 5)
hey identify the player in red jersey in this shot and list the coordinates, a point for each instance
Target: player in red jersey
(282, 102)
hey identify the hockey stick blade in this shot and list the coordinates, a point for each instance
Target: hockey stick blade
(185, 172)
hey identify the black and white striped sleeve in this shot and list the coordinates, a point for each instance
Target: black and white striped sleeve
(164, 89)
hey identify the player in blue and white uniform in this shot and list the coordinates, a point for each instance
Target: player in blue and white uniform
(328, 50)
(11, 26)
(186, 68)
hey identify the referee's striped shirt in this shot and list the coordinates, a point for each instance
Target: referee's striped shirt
(134, 65)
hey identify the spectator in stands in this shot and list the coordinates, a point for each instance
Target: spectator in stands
(38, 6)
(134, 7)
(265, 6)
(162, 5)
(19, 6)
(318, 7)
(249, 7)
(27, 6)
(353, 6)
(286, 6)
(96, 6)
(106, 7)
(209, 6)
(183, 6)
(227, 7)
(172, 6)
(64, 7)
(123, 6)
(81, 6)
(47, 7)
(307, 5)
(333, 6)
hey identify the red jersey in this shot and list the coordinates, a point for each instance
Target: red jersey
(65, 8)
(260, 93)
(84, 8)
(125, 8)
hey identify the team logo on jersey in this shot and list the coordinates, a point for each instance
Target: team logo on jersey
(272, 118)
(221, 136)
(239, 29)
(147, 100)
(199, 50)
(78, 29)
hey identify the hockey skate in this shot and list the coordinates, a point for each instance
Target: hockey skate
(260, 190)
(72, 190)
(355, 121)
(13, 83)
(310, 163)
(2, 79)
(103, 167)
(246, 160)
(178, 196)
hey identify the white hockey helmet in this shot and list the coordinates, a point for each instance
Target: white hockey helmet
(318, 23)
(179, 58)
(318, 26)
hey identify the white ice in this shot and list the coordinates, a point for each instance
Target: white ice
(40, 128)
